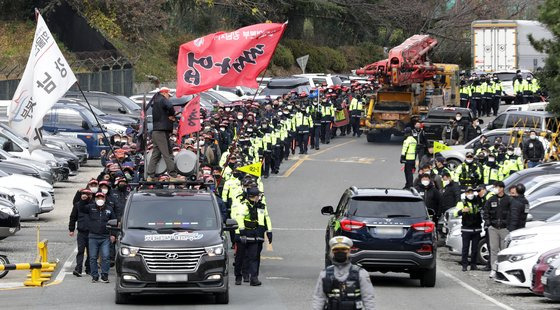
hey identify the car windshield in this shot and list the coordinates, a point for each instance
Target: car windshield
(554, 218)
(90, 117)
(444, 115)
(552, 190)
(336, 80)
(16, 139)
(129, 103)
(387, 207)
(171, 213)
(506, 76)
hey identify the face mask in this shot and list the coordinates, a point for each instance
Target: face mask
(289, 107)
(496, 191)
(458, 118)
(279, 113)
(469, 160)
(117, 141)
(470, 196)
(122, 186)
(228, 109)
(200, 143)
(533, 137)
(93, 189)
(340, 257)
(104, 190)
(286, 112)
(127, 176)
(175, 153)
(491, 160)
(425, 182)
(475, 124)
(445, 183)
(510, 153)
(100, 202)
(222, 129)
(239, 116)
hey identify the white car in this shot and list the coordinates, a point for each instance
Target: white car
(549, 232)
(535, 106)
(515, 264)
(39, 189)
(318, 79)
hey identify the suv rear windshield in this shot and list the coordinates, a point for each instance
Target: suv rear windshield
(172, 213)
(387, 207)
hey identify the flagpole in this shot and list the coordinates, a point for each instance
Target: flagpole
(145, 135)
(100, 126)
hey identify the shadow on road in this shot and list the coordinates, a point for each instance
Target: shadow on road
(394, 281)
(155, 300)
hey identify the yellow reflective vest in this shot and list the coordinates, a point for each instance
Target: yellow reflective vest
(409, 148)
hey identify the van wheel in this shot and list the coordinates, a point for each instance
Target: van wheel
(483, 252)
(453, 163)
(222, 298)
(121, 298)
(371, 136)
(428, 278)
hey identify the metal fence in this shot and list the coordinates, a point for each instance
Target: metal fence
(112, 75)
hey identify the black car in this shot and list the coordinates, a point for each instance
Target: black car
(108, 103)
(9, 218)
(438, 117)
(551, 281)
(172, 241)
(391, 231)
(72, 160)
(281, 86)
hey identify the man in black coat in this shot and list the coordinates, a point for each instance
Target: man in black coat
(533, 150)
(80, 218)
(451, 194)
(473, 130)
(519, 208)
(429, 192)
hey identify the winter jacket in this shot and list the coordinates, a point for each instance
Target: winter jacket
(471, 220)
(79, 217)
(97, 217)
(450, 196)
(431, 196)
(161, 111)
(497, 212)
(519, 211)
(533, 150)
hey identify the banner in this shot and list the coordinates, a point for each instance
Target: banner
(253, 169)
(438, 147)
(47, 77)
(227, 59)
(341, 118)
(190, 119)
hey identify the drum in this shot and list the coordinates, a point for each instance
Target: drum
(185, 162)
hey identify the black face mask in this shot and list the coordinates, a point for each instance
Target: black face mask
(340, 257)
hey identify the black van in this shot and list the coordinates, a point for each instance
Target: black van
(172, 241)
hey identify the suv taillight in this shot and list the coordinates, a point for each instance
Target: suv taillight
(349, 225)
(426, 227)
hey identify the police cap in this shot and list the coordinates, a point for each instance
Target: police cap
(340, 242)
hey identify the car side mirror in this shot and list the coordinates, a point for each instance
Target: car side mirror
(112, 224)
(231, 225)
(480, 121)
(85, 125)
(238, 92)
(529, 217)
(490, 125)
(121, 110)
(328, 210)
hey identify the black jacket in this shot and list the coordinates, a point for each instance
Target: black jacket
(431, 196)
(79, 217)
(519, 211)
(533, 150)
(97, 217)
(450, 196)
(118, 200)
(473, 218)
(472, 132)
(497, 212)
(161, 111)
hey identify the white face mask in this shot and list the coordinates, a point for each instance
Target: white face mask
(533, 137)
(93, 189)
(470, 196)
(491, 160)
(200, 143)
(445, 182)
(510, 153)
(175, 153)
(469, 160)
(279, 113)
(458, 118)
(476, 124)
(228, 109)
(239, 116)
(222, 129)
(99, 202)
(104, 190)
(425, 182)
(496, 191)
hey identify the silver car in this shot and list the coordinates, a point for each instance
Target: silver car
(26, 204)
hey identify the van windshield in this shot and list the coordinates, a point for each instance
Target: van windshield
(171, 213)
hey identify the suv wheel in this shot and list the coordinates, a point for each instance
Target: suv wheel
(121, 298)
(428, 278)
(371, 137)
(483, 252)
(222, 298)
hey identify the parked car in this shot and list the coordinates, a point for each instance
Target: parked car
(536, 106)
(72, 161)
(438, 117)
(109, 120)
(551, 281)
(75, 120)
(108, 103)
(454, 244)
(515, 263)
(75, 145)
(542, 121)
(526, 175)
(9, 218)
(543, 263)
(243, 92)
(41, 190)
(391, 230)
(27, 205)
(17, 146)
(46, 173)
(507, 77)
(280, 86)
(319, 79)
(550, 190)
(540, 182)
(15, 168)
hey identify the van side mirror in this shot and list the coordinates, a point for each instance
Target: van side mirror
(85, 125)
(231, 225)
(121, 110)
(238, 92)
(328, 210)
(529, 217)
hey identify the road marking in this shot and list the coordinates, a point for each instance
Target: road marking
(272, 257)
(308, 157)
(477, 292)
(277, 278)
(299, 229)
(332, 147)
(293, 168)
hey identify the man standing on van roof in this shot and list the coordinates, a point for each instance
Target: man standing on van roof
(163, 118)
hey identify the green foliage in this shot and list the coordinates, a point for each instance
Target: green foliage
(175, 43)
(550, 77)
(283, 57)
(361, 54)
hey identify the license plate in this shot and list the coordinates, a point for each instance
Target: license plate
(390, 116)
(171, 278)
(544, 280)
(389, 230)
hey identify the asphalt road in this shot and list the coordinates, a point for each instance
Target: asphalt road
(291, 265)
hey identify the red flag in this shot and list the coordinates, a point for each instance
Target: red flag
(227, 59)
(190, 119)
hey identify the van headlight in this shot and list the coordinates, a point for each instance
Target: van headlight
(215, 250)
(129, 251)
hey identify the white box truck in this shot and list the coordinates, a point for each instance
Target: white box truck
(503, 45)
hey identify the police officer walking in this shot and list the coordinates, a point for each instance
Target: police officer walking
(408, 157)
(471, 221)
(343, 285)
(356, 107)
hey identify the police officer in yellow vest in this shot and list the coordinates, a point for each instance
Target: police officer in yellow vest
(519, 85)
(356, 107)
(528, 90)
(327, 113)
(488, 95)
(465, 92)
(302, 126)
(476, 97)
(408, 157)
(491, 170)
(536, 88)
(512, 163)
(498, 91)
(250, 216)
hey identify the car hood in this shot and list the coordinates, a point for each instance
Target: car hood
(60, 153)
(180, 239)
(18, 168)
(539, 247)
(28, 184)
(29, 162)
(65, 139)
(548, 228)
(117, 119)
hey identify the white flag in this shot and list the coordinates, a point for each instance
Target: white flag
(47, 77)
